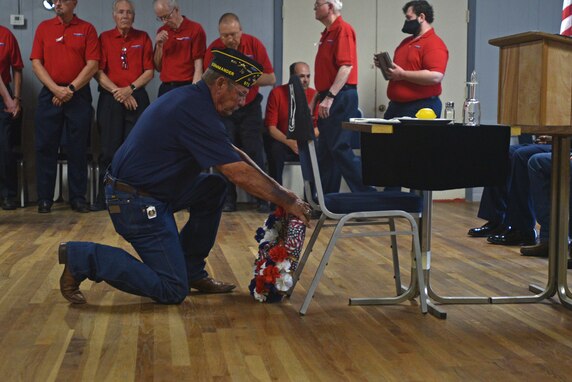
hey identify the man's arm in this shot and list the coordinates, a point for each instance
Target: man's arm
(281, 137)
(17, 77)
(198, 70)
(158, 54)
(248, 176)
(266, 79)
(419, 77)
(86, 74)
(9, 104)
(60, 92)
(339, 82)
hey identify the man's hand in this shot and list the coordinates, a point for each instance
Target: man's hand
(56, 101)
(293, 145)
(325, 105)
(396, 73)
(161, 38)
(121, 94)
(301, 210)
(10, 106)
(130, 103)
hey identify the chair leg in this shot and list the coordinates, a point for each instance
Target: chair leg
(422, 285)
(22, 183)
(322, 266)
(306, 254)
(395, 255)
(90, 185)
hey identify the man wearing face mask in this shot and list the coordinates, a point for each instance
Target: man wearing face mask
(419, 65)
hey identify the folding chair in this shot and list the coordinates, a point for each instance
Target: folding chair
(357, 208)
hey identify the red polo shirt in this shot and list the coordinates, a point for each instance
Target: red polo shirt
(251, 47)
(184, 45)
(277, 107)
(337, 48)
(428, 52)
(138, 55)
(9, 54)
(65, 49)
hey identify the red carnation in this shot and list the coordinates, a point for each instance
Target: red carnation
(278, 253)
(259, 284)
(279, 212)
(270, 274)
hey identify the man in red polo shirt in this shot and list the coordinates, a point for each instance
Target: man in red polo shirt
(65, 55)
(125, 68)
(245, 125)
(419, 64)
(179, 47)
(10, 58)
(336, 75)
(283, 149)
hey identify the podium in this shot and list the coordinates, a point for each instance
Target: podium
(535, 94)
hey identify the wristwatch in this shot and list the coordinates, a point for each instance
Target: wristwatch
(71, 87)
(133, 87)
(330, 95)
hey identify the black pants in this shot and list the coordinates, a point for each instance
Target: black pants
(114, 123)
(244, 127)
(8, 131)
(74, 118)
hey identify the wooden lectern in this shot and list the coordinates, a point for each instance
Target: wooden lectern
(535, 82)
(535, 94)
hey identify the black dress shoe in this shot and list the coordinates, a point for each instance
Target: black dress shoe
(512, 236)
(98, 206)
(79, 206)
(537, 250)
(69, 286)
(487, 229)
(229, 207)
(9, 204)
(210, 285)
(44, 206)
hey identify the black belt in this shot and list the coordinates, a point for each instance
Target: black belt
(178, 83)
(118, 185)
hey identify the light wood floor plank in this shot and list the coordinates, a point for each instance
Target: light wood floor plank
(120, 337)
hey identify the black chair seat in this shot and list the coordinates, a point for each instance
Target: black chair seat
(348, 202)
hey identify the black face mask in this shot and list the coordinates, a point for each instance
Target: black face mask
(411, 27)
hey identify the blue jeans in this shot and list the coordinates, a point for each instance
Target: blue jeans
(512, 204)
(409, 109)
(170, 260)
(334, 150)
(539, 170)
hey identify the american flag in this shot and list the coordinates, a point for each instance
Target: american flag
(566, 26)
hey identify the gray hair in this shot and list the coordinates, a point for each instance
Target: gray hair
(210, 76)
(114, 7)
(172, 3)
(337, 4)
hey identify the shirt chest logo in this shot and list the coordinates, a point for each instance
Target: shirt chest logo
(79, 34)
(185, 38)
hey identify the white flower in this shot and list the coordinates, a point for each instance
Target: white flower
(270, 235)
(259, 297)
(284, 266)
(284, 282)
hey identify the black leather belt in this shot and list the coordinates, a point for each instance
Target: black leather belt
(322, 95)
(108, 180)
(178, 83)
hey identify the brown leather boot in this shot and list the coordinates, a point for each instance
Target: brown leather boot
(68, 284)
(210, 285)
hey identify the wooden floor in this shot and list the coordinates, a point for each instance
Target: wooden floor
(119, 337)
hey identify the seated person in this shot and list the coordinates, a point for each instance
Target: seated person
(539, 169)
(508, 210)
(276, 121)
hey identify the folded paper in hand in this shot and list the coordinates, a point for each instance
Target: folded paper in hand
(385, 63)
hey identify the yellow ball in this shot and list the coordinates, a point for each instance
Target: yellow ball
(426, 113)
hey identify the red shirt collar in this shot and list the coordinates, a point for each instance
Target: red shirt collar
(337, 24)
(58, 21)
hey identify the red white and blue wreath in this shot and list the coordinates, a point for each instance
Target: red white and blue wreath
(280, 244)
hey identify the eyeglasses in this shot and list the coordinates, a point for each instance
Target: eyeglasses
(317, 5)
(242, 94)
(167, 17)
(123, 57)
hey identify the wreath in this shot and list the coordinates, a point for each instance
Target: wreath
(280, 244)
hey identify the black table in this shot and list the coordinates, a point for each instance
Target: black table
(437, 156)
